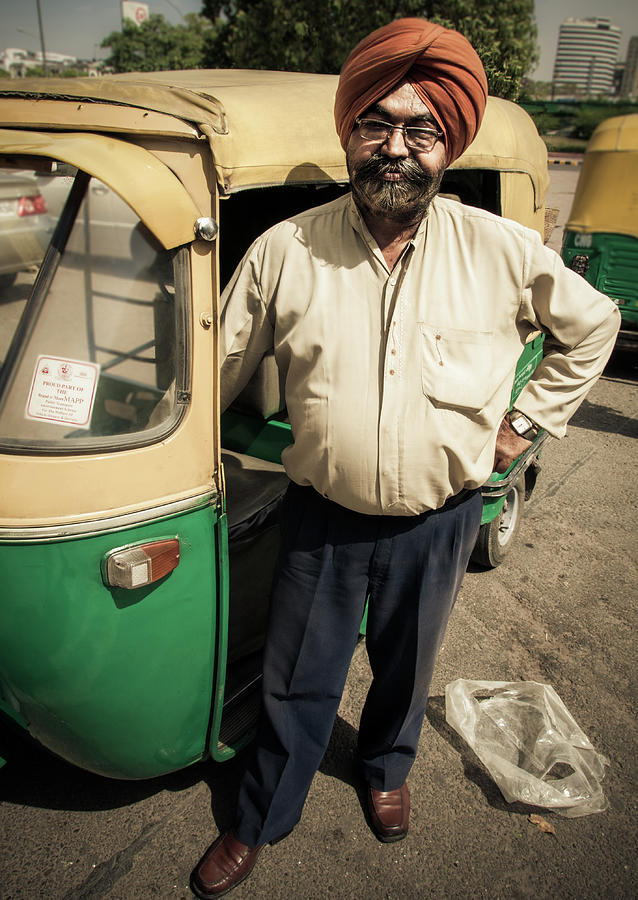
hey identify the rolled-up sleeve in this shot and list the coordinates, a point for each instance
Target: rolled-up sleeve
(581, 325)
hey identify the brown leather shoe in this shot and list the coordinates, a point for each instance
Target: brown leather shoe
(389, 813)
(226, 863)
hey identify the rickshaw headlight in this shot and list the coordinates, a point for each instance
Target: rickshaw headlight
(140, 564)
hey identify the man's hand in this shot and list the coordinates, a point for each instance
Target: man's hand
(509, 446)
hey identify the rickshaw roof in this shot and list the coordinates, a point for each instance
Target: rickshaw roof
(265, 127)
(616, 134)
(606, 196)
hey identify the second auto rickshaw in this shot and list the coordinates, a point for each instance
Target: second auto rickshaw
(600, 241)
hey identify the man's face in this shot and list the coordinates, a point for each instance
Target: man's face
(390, 179)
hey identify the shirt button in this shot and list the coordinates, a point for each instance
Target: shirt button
(393, 352)
(391, 372)
(393, 281)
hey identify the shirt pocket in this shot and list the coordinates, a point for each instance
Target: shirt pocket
(456, 366)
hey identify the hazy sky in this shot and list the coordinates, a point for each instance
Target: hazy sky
(78, 26)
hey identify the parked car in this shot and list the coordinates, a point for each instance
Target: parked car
(24, 225)
(109, 230)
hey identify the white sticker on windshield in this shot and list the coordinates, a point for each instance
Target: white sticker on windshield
(63, 391)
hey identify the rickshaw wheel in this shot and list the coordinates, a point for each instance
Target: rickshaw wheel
(495, 537)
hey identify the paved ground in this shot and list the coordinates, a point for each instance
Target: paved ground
(561, 610)
(563, 179)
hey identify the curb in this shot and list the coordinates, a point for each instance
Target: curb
(564, 162)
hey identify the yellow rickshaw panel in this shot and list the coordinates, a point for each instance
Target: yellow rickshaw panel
(606, 196)
(127, 169)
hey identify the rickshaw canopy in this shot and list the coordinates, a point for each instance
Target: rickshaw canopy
(606, 196)
(250, 137)
(509, 142)
(119, 165)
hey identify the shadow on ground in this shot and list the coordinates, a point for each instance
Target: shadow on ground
(35, 777)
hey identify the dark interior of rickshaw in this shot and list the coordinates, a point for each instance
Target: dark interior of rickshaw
(254, 432)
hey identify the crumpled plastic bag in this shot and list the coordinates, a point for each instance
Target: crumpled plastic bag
(524, 735)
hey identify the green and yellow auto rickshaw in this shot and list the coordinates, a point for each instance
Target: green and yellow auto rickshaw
(600, 240)
(139, 527)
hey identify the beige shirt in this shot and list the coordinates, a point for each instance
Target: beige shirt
(396, 382)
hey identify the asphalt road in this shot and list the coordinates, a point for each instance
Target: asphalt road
(560, 610)
(563, 178)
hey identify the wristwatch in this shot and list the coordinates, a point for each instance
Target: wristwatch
(522, 425)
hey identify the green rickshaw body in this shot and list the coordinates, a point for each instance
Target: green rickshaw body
(90, 671)
(139, 527)
(600, 240)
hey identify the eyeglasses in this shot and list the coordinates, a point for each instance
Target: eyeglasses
(421, 139)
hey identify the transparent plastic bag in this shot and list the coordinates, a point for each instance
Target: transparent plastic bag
(530, 744)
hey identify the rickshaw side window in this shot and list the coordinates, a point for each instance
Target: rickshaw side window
(93, 333)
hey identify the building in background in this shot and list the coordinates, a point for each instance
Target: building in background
(586, 56)
(18, 63)
(629, 86)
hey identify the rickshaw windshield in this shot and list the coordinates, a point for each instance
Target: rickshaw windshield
(92, 316)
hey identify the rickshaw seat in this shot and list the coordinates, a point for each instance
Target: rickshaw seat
(254, 489)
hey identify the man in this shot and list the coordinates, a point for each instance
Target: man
(397, 320)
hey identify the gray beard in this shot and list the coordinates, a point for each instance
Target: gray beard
(404, 201)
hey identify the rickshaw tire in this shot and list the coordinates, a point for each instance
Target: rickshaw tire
(495, 538)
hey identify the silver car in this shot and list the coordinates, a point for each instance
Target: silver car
(24, 225)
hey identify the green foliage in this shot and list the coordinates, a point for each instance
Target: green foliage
(534, 90)
(503, 34)
(588, 118)
(69, 73)
(568, 125)
(156, 44)
(291, 35)
(545, 122)
(4, 74)
(35, 72)
(312, 36)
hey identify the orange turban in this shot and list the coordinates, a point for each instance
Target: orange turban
(440, 64)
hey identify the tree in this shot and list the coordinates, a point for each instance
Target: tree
(535, 90)
(503, 32)
(312, 36)
(156, 44)
(290, 35)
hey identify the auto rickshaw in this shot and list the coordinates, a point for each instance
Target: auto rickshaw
(600, 240)
(138, 527)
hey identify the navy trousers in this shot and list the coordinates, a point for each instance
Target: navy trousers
(411, 567)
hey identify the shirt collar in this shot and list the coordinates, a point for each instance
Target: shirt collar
(358, 224)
